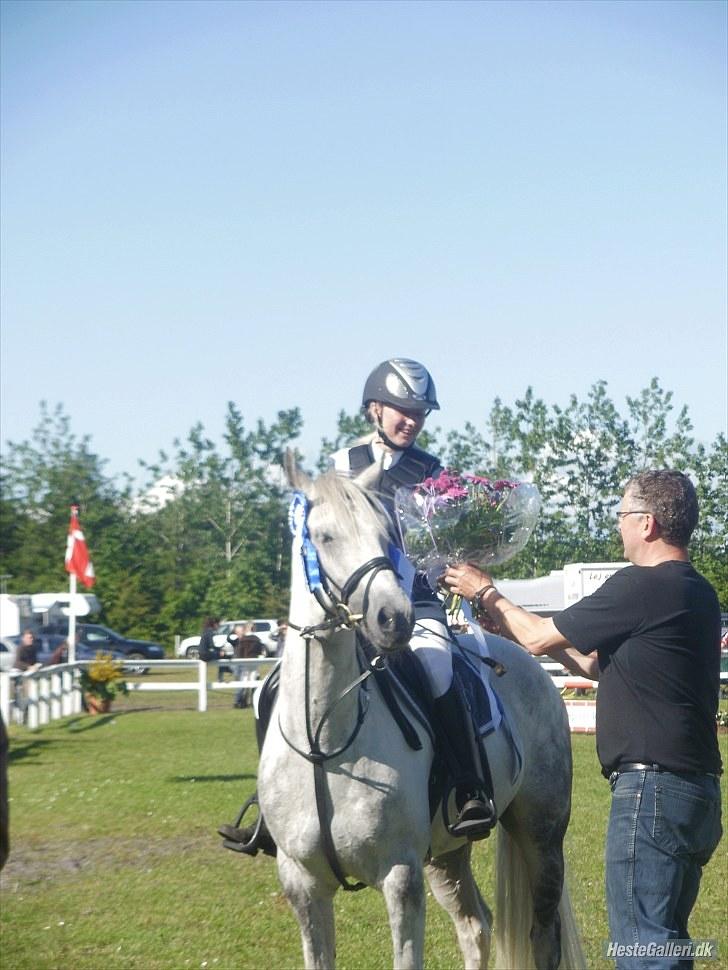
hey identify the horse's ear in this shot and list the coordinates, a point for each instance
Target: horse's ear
(369, 477)
(297, 478)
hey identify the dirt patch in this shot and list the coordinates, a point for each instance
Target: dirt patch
(28, 865)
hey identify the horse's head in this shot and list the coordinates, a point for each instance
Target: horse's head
(349, 530)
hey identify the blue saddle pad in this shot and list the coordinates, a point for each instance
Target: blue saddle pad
(475, 693)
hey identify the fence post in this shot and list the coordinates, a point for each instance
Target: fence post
(55, 695)
(66, 699)
(76, 704)
(44, 700)
(30, 688)
(202, 683)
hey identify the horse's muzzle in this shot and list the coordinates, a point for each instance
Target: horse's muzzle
(394, 627)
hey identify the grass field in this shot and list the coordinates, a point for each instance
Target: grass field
(115, 861)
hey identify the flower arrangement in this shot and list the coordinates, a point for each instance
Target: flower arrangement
(103, 678)
(465, 518)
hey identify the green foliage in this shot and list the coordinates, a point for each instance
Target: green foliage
(220, 544)
(349, 427)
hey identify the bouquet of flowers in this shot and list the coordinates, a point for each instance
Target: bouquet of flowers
(464, 518)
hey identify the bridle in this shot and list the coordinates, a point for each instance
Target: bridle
(335, 605)
(334, 602)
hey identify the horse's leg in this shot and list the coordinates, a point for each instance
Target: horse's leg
(314, 908)
(453, 886)
(530, 858)
(404, 893)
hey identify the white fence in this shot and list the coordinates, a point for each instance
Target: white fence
(54, 692)
(50, 693)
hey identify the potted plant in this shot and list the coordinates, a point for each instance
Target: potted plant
(101, 681)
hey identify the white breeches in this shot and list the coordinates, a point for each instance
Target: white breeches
(431, 642)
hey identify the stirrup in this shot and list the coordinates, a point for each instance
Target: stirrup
(476, 820)
(249, 846)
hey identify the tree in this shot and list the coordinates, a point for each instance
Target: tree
(709, 546)
(349, 427)
(222, 546)
(42, 477)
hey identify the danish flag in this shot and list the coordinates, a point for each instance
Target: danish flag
(77, 557)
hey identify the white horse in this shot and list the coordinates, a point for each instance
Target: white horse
(346, 798)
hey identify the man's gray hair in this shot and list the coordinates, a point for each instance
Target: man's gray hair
(670, 497)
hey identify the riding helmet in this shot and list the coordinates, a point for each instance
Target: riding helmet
(403, 383)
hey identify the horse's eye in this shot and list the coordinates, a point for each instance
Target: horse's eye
(323, 538)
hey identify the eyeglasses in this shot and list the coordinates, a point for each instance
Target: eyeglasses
(621, 515)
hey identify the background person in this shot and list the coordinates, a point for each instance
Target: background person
(26, 656)
(246, 645)
(280, 636)
(26, 660)
(207, 650)
(60, 654)
(650, 634)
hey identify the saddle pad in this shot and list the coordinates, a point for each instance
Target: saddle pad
(479, 699)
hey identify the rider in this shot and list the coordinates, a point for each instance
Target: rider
(398, 395)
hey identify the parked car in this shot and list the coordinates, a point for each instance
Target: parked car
(7, 654)
(264, 629)
(97, 637)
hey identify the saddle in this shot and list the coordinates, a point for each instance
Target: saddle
(411, 686)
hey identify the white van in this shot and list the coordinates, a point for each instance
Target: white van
(263, 629)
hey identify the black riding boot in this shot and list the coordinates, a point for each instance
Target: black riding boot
(473, 793)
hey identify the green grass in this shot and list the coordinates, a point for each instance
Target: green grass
(115, 861)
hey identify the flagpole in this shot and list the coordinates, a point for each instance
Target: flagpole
(72, 620)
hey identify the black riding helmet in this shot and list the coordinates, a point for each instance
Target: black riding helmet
(403, 383)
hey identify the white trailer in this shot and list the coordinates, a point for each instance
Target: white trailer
(547, 595)
(21, 610)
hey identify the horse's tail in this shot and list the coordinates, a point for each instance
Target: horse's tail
(514, 913)
(572, 953)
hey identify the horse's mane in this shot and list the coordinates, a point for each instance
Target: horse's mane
(350, 502)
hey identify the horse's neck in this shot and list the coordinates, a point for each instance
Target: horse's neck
(317, 674)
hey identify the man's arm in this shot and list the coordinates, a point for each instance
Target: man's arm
(578, 663)
(538, 634)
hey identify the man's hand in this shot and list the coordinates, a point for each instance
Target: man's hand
(466, 580)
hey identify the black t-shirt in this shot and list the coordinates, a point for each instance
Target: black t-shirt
(656, 630)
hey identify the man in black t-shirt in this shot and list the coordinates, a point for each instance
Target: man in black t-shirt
(651, 636)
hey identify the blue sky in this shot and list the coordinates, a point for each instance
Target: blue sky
(260, 201)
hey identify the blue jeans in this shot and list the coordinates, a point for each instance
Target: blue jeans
(662, 830)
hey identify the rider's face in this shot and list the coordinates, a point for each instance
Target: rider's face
(401, 427)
